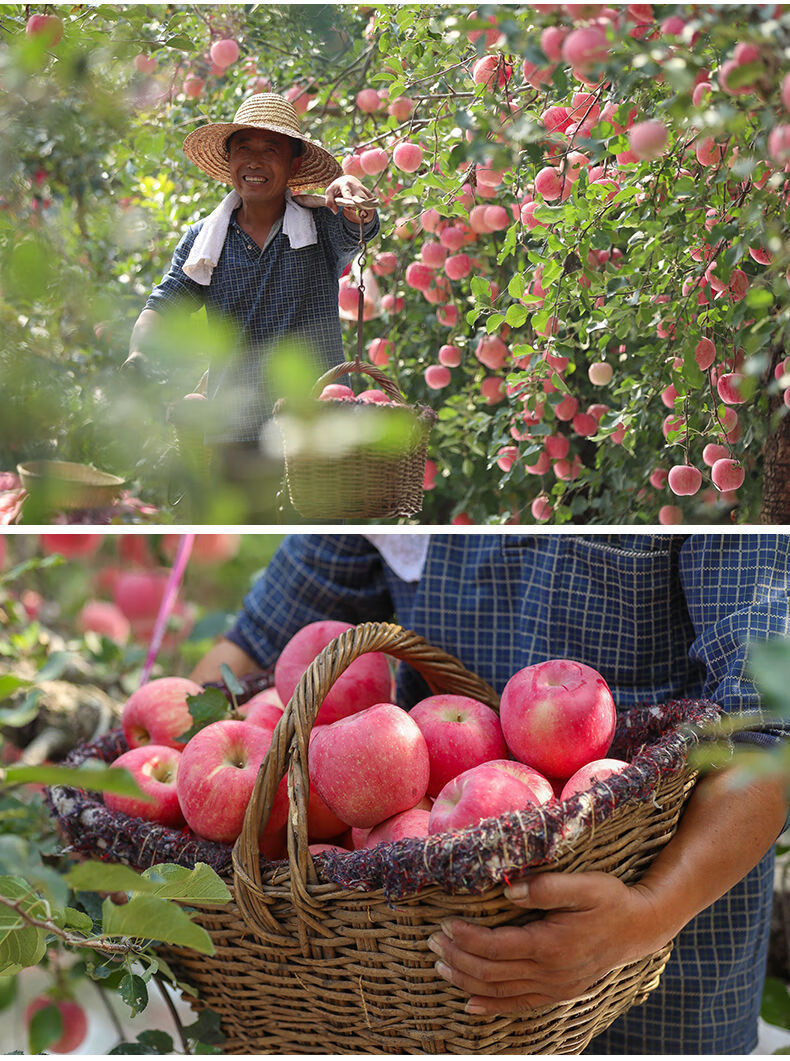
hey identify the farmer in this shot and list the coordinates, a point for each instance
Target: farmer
(662, 617)
(263, 260)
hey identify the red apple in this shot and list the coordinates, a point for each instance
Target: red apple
(139, 593)
(75, 1022)
(407, 156)
(72, 546)
(216, 777)
(224, 52)
(155, 768)
(365, 682)
(727, 474)
(557, 715)
(413, 822)
(157, 712)
(484, 791)
(317, 849)
(585, 776)
(542, 788)
(648, 139)
(460, 733)
(370, 765)
(373, 160)
(105, 618)
(50, 29)
(684, 479)
(263, 709)
(207, 549)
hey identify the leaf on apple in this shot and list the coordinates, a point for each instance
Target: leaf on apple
(206, 707)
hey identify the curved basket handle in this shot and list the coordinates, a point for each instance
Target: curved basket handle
(442, 672)
(389, 387)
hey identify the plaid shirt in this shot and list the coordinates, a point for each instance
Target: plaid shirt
(661, 616)
(267, 294)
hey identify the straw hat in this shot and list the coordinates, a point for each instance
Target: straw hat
(265, 110)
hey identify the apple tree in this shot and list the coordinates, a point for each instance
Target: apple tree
(583, 258)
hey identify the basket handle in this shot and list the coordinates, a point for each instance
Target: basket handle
(389, 387)
(442, 672)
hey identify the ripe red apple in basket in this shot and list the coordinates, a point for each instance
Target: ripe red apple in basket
(365, 682)
(585, 776)
(155, 769)
(216, 777)
(485, 791)
(370, 765)
(460, 732)
(557, 715)
(157, 712)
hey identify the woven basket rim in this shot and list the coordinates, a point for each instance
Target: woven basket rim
(69, 473)
(671, 748)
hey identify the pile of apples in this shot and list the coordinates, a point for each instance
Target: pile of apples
(377, 772)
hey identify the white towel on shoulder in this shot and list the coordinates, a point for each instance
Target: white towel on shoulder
(298, 226)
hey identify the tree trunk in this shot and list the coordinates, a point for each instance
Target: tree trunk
(776, 465)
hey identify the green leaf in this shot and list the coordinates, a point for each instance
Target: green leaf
(156, 1041)
(46, 1027)
(200, 885)
(231, 681)
(775, 1005)
(516, 315)
(209, 706)
(22, 713)
(206, 1028)
(769, 665)
(759, 298)
(517, 285)
(88, 778)
(77, 919)
(494, 322)
(54, 667)
(10, 684)
(21, 945)
(134, 993)
(154, 918)
(9, 986)
(93, 876)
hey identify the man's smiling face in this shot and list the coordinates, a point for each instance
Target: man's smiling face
(261, 164)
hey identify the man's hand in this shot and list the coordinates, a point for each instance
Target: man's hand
(353, 190)
(593, 923)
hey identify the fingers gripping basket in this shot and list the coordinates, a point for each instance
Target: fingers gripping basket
(330, 955)
(351, 459)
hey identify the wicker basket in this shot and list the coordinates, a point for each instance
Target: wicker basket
(67, 485)
(330, 955)
(365, 479)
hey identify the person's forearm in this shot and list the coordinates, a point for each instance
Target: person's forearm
(143, 329)
(209, 668)
(726, 828)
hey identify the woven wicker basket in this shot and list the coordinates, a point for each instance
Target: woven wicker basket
(68, 485)
(366, 479)
(330, 955)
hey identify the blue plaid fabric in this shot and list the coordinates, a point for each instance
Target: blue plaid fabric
(267, 294)
(660, 616)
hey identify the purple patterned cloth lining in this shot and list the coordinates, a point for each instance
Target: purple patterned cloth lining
(656, 740)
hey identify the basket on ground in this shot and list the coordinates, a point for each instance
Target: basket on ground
(329, 954)
(60, 484)
(351, 459)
